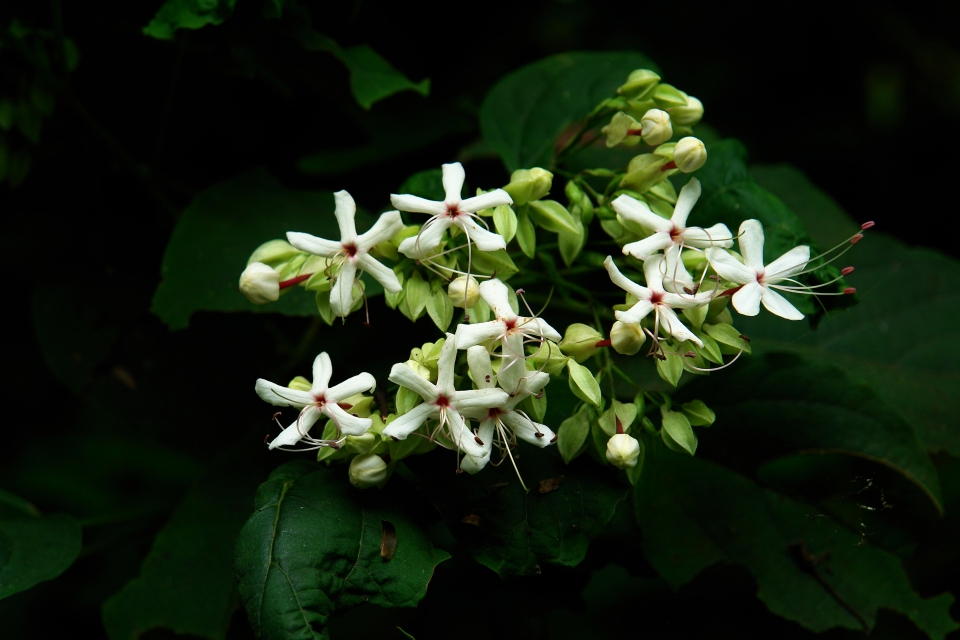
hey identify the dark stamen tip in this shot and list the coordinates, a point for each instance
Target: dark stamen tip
(538, 434)
(847, 271)
(849, 290)
(690, 354)
(478, 440)
(744, 338)
(867, 225)
(857, 238)
(554, 438)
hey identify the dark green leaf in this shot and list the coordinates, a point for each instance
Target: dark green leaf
(528, 110)
(426, 184)
(34, 549)
(187, 14)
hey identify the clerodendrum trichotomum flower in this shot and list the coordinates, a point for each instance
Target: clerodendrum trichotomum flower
(453, 211)
(667, 233)
(757, 280)
(321, 399)
(442, 402)
(352, 252)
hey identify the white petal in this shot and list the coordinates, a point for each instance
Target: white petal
(453, 177)
(751, 243)
(654, 269)
(322, 370)
(512, 364)
(475, 399)
(622, 281)
(296, 431)
(676, 276)
(282, 396)
(747, 300)
(473, 464)
(341, 295)
(495, 294)
(778, 305)
(470, 335)
(537, 327)
(404, 376)
(688, 197)
(411, 421)
(729, 267)
(384, 229)
(461, 434)
(427, 240)
(348, 424)
(636, 313)
(360, 383)
(312, 244)
(481, 238)
(478, 359)
(446, 365)
(684, 301)
(636, 211)
(787, 265)
(530, 385)
(716, 236)
(495, 198)
(643, 249)
(416, 204)
(346, 211)
(671, 324)
(527, 430)
(380, 273)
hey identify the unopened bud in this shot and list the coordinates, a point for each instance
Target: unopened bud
(643, 172)
(626, 338)
(656, 127)
(300, 384)
(580, 341)
(464, 292)
(689, 154)
(361, 444)
(687, 115)
(367, 470)
(622, 451)
(421, 370)
(549, 358)
(527, 185)
(618, 131)
(260, 283)
(639, 83)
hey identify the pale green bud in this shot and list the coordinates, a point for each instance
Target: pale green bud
(626, 338)
(464, 292)
(656, 127)
(639, 83)
(549, 358)
(260, 283)
(367, 470)
(527, 185)
(362, 443)
(689, 154)
(688, 115)
(422, 371)
(623, 451)
(644, 171)
(618, 131)
(580, 341)
(273, 253)
(300, 384)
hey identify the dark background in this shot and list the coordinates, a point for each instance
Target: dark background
(866, 103)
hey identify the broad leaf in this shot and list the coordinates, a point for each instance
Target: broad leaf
(187, 14)
(35, 548)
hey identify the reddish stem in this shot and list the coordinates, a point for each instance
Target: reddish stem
(603, 343)
(668, 166)
(619, 424)
(293, 281)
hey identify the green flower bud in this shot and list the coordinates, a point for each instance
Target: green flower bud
(464, 293)
(644, 171)
(656, 127)
(626, 338)
(623, 451)
(273, 253)
(688, 115)
(527, 185)
(260, 283)
(618, 131)
(689, 154)
(367, 470)
(639, 83)
(580, 341)
(300, 384)
(549, 358)
(361, 444)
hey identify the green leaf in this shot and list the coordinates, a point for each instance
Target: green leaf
(671, 368)
(527, 111)
(808, 569)
(505, 222)
(187, 14)
(726, 334)
(553, 216)
(583, 384)
(496, 263)
(425, 184)
(526, 234)
(35, 548)
(440, 309)
(313, 545)
(677, 431)
(573, 432)
(627, 412)
(698, 413)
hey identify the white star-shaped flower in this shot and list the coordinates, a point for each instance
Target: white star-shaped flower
(759, 281)
(510, 329)
(655, 298)
(453, 211)
(503, 423)
(442, 401)
(668, 233)
(353, 251)
(321, 399)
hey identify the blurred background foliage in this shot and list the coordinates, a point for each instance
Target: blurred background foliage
(107, 133)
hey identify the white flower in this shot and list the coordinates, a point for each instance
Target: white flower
(510, 329)
(759, 281)
(451, 212)
(442, 401)
(654, 298)
(668, 233)
(260, 283)
(353, 251)
(497, 421)
(321, 399)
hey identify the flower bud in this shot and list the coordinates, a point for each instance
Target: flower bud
(260, 283)
(688, 115)
(639, 83)
(369, 470)
(464, 293)
(656, 127)
(580, 341)
(626, 338)
(362, 443)
(273, 252)
(689, 154)
(422, 371)
(549, 358)
(643, 172)
(622, 451)
(618, 131)
(527, 185)
(300, 384)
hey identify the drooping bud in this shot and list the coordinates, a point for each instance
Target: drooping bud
(689, 154)
(622, 451)
(367, 470)
(626, 338)
(464, 292)
(656, 127)
(260, 283)
(527, 185)
(618, 131)
(688, 115)
(638, 84)
(580, 341)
